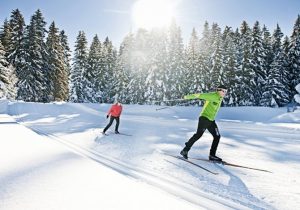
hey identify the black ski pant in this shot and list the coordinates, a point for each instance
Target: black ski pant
(212, 127)
(112, 118)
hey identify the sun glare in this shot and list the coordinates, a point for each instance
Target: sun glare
(152, 13)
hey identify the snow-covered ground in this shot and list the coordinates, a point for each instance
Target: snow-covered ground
(53, 156)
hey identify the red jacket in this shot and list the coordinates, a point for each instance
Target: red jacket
(115, 110)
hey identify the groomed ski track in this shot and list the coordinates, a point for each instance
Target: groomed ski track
(181, 190)
(171, 186)
(184, 190)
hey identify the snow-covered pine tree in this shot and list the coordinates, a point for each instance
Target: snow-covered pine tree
(276, 41)
(194, 78)
(5, 36)
(110, 58)
(267, 48)
(33, 72)
(176, 70)
(12, 85)
(268, 58)
(140, 65)
(67, 57)
(275, 93)
(236, 94)
(156, 78)
(228, 77)
(294, 59)
(12, 37)
(93, 77)
(216, 65)
(57, 71)
(8, 78)
(245, 73)
(124, 68)
(78, 68)
(206, 51)
(3, 72)
(17, 27)
(257, 63)
(285, 73)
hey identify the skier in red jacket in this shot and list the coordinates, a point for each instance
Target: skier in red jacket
(115, 113)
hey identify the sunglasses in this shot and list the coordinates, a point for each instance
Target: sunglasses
(223, 90)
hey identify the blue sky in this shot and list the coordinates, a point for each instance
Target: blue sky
(113, 18)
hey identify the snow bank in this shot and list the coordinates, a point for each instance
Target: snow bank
(298, 88)
(3, 106)
(297, 96)
(252, 114)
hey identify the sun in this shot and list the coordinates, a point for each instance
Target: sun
(150, 14)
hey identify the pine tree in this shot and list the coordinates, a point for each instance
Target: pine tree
(13, 46)
(285, 73)
(293, 56)
(194, 65)
(4, 81)
(257, 62)
(13, 39)
(123, 71)
(245, 72)
(58, 73)
(6, 36)
(275, 93)
(7, 77)
(78, 69)
(276, 41)
(216, 58)
(206, 51)
(93, 77)
(66, 59)
(110, 57)
(156, 78)
(140, 65)
(33, 72)
(176, 71)
(268, 52)
(229, 78)
(266, 61)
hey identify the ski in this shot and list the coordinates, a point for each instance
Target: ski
(124, 134)
(231, 164)
(195, 164)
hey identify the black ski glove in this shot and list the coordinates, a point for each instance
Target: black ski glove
(107, 116)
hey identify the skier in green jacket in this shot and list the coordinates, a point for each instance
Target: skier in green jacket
(209, 111)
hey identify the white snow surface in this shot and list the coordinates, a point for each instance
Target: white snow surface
(298, 88)
(53, 156)
(297, 96)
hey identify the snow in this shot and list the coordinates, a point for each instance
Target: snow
(297, 96)
(53, 156)
(298, 88)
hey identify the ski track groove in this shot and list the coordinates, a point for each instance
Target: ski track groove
(190, 193)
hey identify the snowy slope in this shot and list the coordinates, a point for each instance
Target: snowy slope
(253, 136)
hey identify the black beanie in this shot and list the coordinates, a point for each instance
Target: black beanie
(222, 87)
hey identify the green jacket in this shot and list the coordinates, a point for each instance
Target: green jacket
(212, 103)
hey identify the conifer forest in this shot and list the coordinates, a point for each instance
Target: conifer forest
(260, 66)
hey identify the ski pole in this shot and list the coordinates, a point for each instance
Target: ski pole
(154, 102)
(166, 107)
